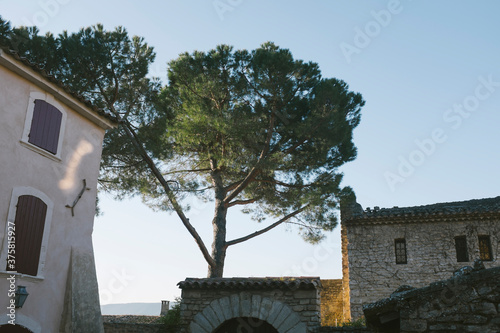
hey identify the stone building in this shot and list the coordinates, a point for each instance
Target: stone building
(383, 249)
(267, 305)
(50, 150)
(467, 302)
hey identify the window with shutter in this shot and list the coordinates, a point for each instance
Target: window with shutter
(29, 226)
(45, 126)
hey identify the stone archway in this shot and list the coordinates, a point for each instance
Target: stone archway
(245, 305)
(22, 322)
(245, 325)
(9, 328)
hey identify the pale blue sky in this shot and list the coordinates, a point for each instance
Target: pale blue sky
(429, 72)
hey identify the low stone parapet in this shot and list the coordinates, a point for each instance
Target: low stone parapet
(468, 302)
(132, 324)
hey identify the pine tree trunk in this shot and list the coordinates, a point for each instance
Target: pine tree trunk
(219, 228)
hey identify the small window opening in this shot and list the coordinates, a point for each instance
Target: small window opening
(461, 248)
(485, 248)
(400, 247)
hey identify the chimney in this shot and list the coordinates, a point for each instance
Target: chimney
(164, 308)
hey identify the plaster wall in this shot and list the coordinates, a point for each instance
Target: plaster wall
(60, 180)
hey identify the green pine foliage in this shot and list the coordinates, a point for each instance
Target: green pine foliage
(264, 117)
(254, 130)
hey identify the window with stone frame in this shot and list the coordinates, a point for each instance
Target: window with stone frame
(485, 253)
(400, 250)
(461, 248)
(29, 226)
(45, 126)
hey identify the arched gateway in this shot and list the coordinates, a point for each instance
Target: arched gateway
(250, 305)
(245, 325)
(9, 328)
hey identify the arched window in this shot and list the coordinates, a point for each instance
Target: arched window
(27, 231)
(29, 225)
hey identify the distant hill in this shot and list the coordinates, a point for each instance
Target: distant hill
(144, 309)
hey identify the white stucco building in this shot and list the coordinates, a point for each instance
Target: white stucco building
(50, 150)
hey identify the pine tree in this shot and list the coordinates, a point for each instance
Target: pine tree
(257, 131)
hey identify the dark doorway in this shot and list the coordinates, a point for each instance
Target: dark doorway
(245, 325)
(13, 329)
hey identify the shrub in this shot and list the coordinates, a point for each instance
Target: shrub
(172, 319)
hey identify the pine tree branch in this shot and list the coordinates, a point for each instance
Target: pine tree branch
(241, 202)
(156, 172)
(184, 171)
(232, 186)
(276, 182)
(260, 232)
(255, 170)
(301, 142)
(305, 225)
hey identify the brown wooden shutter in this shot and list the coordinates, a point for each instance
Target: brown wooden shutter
(30, 222)
(45, 126)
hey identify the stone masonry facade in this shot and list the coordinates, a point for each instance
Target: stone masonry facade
(468, 302)
(132, 324)
(423, 239)
(290, 305)
(332, 303)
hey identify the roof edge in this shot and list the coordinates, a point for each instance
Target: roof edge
(487, 208)
(38, 77)
(251, 283)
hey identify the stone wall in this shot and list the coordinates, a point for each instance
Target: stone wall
(331, 329)
(468, 302)
(132, 324)
(332, 303)
(132, 328)
(369, 263)
(346, 291)
(289, 304)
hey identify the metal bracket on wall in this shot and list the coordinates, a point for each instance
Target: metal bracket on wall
(84, 188)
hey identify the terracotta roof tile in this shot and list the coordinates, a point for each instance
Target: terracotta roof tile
(252, 283)
(489, 207)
